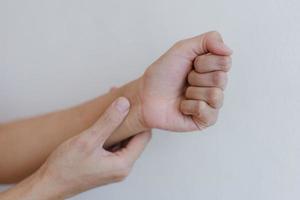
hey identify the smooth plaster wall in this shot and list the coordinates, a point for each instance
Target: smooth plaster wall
(58, 53)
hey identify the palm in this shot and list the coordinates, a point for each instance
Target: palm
(163, 88)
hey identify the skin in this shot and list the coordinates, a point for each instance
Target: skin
(26, 144)
(81, 163)
(181, 91)
(171, 102)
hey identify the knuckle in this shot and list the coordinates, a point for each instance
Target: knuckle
(207, 120)
(81, 144)
(225, 62)
(124, 164)
(215, 96)
(200, 107)
(93, 131)
(121, 175)
(219, 78)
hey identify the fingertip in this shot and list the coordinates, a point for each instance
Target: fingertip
(122, 104)
(215, 34)
(202, 105)
(220, 48)
(226, 49)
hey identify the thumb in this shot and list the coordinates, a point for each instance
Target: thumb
(210, 42)
(110, 120)
(135, 147)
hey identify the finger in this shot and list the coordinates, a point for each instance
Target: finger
(210, 42)
(210, 62)
(212, 79)
(135, 147)
(203, 114)
(213, 96)
(109, 120)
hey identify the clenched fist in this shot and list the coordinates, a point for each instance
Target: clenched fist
(183, 89)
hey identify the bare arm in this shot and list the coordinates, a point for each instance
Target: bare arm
(30, 188)
(73, 167)
(181, 91)
(25, 144)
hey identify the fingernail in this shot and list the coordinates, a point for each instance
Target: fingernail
(122, 104)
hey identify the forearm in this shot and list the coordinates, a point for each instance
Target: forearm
(34, 187)
(26, 144)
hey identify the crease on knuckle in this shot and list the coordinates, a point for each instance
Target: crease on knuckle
(219, 78)
(215, 96)
(225, 62)
(199, 108)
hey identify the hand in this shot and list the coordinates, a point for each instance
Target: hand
(182, 90)
(81, 163)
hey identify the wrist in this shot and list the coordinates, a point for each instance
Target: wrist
(133, 91)
(134, 122)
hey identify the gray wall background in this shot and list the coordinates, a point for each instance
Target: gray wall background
(58, 53)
